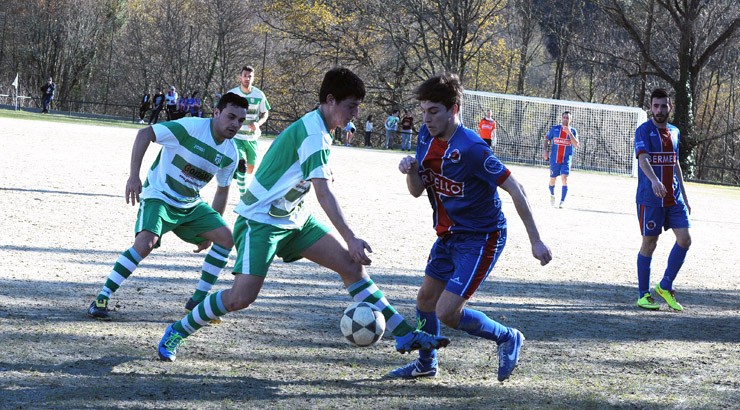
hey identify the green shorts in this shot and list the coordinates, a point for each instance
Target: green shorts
(157, 217)
(257, 243)
(247, 150)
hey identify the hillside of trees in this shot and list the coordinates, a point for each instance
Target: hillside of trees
(106, 53)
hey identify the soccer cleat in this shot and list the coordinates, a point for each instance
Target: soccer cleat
(552, 200)
(169, 343)
(420, 340)
(669, 296)
(647, 302)
(415, 369)
(508, 355)
(562, 204)
(99, 309)
(191, 304)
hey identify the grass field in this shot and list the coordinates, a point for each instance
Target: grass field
(65, 221)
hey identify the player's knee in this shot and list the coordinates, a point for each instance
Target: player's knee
(449, 318)
(684, 242)
(237, 301)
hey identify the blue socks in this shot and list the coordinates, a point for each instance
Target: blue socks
(476, 323)
(564, 193)
(430, 324)
(552, 189)
(643, 274)
(675, 261)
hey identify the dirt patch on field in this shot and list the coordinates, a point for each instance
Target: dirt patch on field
(65, 221)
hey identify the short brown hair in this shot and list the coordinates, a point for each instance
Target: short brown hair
(444, 88)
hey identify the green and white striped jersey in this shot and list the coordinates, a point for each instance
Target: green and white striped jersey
(257, 105)
(188, 160)
(278, 189)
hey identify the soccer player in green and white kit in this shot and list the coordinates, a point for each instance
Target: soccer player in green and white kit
(257, 113)
(274, 221)
(194, 151)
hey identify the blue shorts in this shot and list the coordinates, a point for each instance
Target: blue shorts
(559, 169)
(654, 219)
(464, 260)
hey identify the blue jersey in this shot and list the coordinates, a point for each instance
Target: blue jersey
(461, 176)
(562, 150)
(661, 144)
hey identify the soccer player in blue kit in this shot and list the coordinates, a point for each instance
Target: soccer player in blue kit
(661, 200)
(461, 175)
(559, 144)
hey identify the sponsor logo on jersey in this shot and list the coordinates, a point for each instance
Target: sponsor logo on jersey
(454, 156)
(663, 158)
(218, 159)
(196, 173)
(199, 148)
(493, 166)
(562, 141)
(442, 185)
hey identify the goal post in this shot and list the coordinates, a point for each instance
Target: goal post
(606, 132)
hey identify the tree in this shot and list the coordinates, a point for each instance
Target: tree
(690, 33)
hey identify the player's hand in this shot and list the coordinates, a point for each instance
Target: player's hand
(659, 189)
(203, 245)
(408, 165)
(544, 156)
(133, 189)
(541, 252)
(357, 248)
(253, 126)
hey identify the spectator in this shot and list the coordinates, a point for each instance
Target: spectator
(391, 126)
(171, 99)
(158, 104)
(194, 105)
(487, 130)
(146, 104)
(407, 127)
(182, 106)
(368, 130)
(350, 130)
(47, 94)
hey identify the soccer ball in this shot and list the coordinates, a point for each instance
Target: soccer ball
(362, 324)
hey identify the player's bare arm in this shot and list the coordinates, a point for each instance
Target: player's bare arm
(546, 153)
(658, 188)
(679, 175)
(262, 119)
(539, 250)
(330, 205)
(574, 140)
(219, 199)
(410, 166)
(144, 137)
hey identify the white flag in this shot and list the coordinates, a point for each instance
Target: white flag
(15, 82)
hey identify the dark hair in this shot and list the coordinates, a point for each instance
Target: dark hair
(444, 88)
(247, 68)
(565, 113)
(659, 93)
(233, 99)
(370, 117)
(342, 83)
(194, 94)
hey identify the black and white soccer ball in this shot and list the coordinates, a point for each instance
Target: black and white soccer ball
(362, 324)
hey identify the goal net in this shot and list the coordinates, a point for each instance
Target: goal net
(606, 132)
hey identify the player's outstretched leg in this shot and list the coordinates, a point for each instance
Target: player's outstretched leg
(408, 339)
(213, 265)
(508, 339)
(127, 262)
(210, 309)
